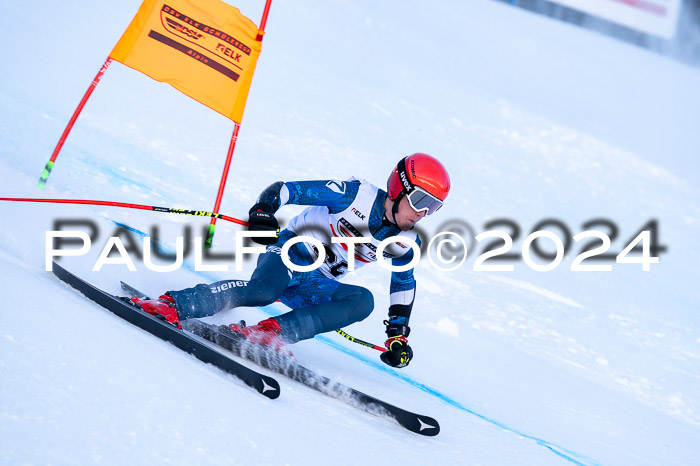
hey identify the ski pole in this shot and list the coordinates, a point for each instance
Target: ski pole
(170, 210)
(360, 342)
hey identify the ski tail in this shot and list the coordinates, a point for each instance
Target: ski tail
(133, 292)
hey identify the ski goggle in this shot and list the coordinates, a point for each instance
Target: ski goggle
(422, 201)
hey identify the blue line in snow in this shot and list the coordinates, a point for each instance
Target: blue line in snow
(566, 454)
(562, 452)
(89, 162)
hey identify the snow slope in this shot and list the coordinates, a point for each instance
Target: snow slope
(534, 119)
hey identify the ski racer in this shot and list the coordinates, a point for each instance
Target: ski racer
(319, 303)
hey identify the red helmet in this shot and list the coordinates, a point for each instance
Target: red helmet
(422, 179)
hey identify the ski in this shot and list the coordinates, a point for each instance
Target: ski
(191, 344)
(286, 365)
(133, 292)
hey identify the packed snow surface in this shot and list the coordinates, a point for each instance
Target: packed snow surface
(534, 120)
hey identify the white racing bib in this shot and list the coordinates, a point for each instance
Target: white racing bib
(317, 222)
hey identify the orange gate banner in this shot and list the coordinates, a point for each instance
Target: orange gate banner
(206, 49)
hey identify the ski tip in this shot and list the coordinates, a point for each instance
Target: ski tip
(419, 424)
(270, 388)
(427, 426)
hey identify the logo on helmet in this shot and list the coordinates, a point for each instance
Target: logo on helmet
(406, 184)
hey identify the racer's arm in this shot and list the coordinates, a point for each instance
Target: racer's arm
(336, 195)
(403, 293)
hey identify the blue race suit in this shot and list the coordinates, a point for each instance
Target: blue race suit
(319, 302)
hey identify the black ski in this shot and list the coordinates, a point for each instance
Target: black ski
(286, 365)
(133, 292)
(166, 331)
(279, 362)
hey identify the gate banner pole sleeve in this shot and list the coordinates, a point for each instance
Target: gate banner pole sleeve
(232, 145)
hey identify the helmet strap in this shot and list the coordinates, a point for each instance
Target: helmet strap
(395, 207)
(406, 185)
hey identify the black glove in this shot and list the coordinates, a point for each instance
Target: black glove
(398, 353)
(261, 217)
